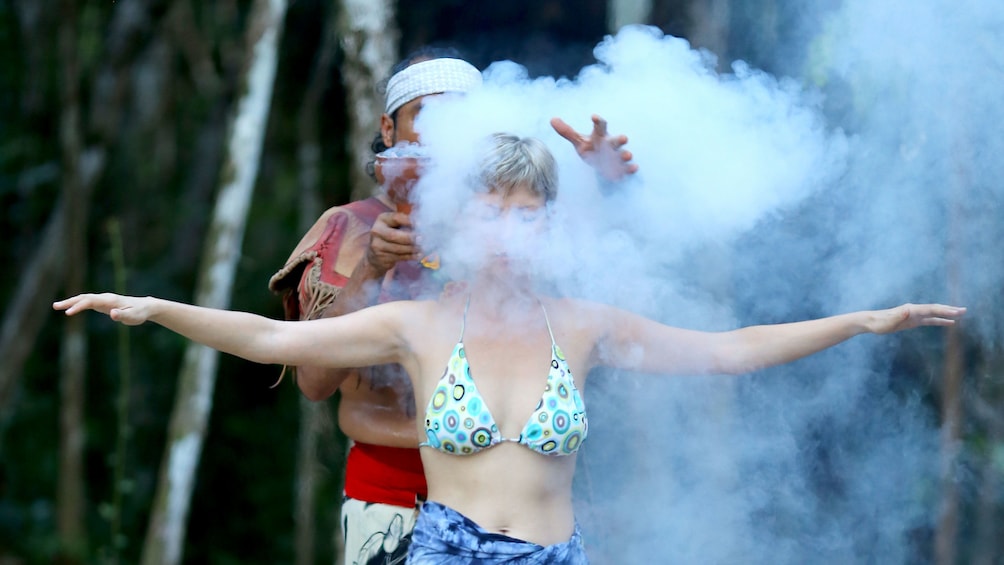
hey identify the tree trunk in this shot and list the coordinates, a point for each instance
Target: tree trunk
(190, 415)
(308, 477)
(988, 547)
(946, 537)
(709, 27)
(951, 411)
(24, 315)
(41, 280)
(370, 45)
(312, 414)
(42, 277)
(625, 12)
(73, 354)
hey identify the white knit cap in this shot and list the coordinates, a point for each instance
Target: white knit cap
(430, 77)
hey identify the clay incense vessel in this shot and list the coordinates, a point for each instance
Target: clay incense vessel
(398, 174)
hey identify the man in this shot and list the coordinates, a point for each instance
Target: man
(365, 251)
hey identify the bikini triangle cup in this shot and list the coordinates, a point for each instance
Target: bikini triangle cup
(457, 420)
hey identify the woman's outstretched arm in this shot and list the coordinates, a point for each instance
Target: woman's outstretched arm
(368, 337)
(634, 342)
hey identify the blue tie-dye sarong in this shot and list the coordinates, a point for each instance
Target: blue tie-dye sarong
(444, 536)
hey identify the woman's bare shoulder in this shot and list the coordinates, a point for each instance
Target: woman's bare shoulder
(406, 308)
(577, 313)
(422, 312)
(426, 324)
(576, 306)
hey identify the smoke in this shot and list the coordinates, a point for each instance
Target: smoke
(875, 181)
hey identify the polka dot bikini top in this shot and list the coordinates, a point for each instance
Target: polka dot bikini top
(458, 421)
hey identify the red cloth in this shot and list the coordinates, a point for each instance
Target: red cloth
(388, 475)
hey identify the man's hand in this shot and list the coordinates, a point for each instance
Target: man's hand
(604, 153)
(391, 240)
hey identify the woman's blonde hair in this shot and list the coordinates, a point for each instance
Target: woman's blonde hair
(514, 161)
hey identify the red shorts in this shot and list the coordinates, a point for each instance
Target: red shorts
(388, 475)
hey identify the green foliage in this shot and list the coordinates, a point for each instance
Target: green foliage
(159, 184)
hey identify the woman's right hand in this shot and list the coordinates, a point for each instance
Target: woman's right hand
(129, 310)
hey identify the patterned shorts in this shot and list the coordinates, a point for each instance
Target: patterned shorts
(376, 534)
(444, 536)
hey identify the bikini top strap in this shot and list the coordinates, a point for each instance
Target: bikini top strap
(463, 322)
(546, 320)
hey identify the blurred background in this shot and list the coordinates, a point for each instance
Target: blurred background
(144, 141)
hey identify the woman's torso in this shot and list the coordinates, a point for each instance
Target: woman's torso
(508, 488)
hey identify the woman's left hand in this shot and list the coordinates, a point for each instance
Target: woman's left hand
(603, 152)
(910, 316)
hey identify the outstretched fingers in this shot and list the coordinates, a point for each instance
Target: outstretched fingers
(941, 314)
(566, 131)
(629, 167)
(73, 305)
(599, 149)
(600, 131)
(916, 315)
(938, 322)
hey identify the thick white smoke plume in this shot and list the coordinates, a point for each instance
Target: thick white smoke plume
(757, 202)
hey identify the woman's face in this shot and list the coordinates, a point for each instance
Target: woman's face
(506, 228)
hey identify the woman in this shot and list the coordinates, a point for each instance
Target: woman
(498, 370)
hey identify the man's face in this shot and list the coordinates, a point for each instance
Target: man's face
(404, 130)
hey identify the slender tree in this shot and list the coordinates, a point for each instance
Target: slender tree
(23, 318)
(73, 357)
(42, 278)
(313, 415)
(710, 25)
(986, 401)
(951, 437)
(624, 12)
(369, 41)
(952, 407)
(190, 415)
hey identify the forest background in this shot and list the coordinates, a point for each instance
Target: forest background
(179, 148)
